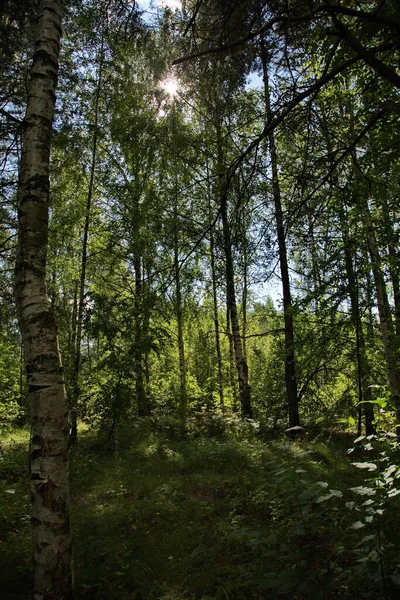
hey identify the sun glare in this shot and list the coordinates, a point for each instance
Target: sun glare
(170, 86)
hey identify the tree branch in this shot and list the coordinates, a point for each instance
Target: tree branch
(320, 10)
(367, 55)
(9, 116)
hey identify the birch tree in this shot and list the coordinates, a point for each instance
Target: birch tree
(53, 574)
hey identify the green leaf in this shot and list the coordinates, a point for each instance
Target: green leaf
(365, 465)
(363, 491)
(323, 498)
(367, 502)
(389, 471)
(357, 525)
(336, 493)
(350, 505)
(367, 538)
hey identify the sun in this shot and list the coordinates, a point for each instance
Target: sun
(170, 85)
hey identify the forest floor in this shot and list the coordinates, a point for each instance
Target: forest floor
(213, 513)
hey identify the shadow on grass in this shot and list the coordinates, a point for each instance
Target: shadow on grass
(172, 516)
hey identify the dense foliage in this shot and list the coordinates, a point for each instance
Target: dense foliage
(223, 244)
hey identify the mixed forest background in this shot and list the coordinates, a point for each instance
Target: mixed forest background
(223, 232)
(177, 220)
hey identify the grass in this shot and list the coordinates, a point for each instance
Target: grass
(207, 514)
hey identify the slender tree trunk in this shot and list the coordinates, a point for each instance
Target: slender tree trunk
(216, 322)
(82, 278)
(179, 317)
(316, 283)
(290, 363)
(232, 366)
(244, 294)
(385, 317)
(394, 262)
(142, 402)
(241, 364)
(364, 391)
(53, 571)
(370, 296)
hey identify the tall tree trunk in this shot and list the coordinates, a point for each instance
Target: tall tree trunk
(394, 262)
(385, 317)
(364, 391)
(244, 292)
(241, 363)
(179, 315)
(232, 366)
(53, 571)
(216, 322)
(141, 397)
(316, 279)
(82, 278)
(290, 362)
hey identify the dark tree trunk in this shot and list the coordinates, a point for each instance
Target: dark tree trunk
(141, 396)
(385, 316)
(364, 391)
(216, 322)
(232, 367)
(179, 317)
(82, 278)
(240, 360)
(290, 362)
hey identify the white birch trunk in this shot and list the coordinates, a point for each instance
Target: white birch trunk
(52, 555)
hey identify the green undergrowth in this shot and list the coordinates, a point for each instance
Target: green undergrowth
(211, 512)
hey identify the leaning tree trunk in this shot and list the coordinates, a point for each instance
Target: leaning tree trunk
(53, 574)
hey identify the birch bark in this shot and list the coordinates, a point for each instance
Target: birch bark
(53, 572)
